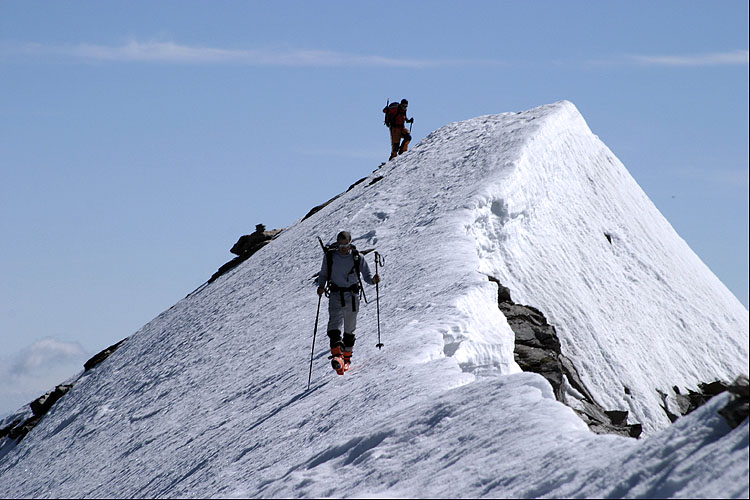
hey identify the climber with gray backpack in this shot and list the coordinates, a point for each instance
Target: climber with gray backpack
(341, 275)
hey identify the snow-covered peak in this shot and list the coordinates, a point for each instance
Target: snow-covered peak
(570, 232)
(210, 399)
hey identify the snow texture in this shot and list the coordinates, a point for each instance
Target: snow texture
(209, 399)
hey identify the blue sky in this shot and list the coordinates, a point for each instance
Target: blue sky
(139, 140)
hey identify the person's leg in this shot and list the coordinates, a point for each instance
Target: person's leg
(395, 141)
(348, 347)
(407, 139)
(350, 324)
(335, 323)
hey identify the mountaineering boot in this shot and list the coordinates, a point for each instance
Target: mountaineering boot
(349, 339)
(347, 357)
(337, 360)
(394, 149)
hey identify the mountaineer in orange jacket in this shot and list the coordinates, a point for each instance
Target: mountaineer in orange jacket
(395, 120)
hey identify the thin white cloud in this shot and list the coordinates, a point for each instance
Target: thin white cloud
(35, 370)
(731, 58)
(171, 52)
(43, 354)
(734, 58)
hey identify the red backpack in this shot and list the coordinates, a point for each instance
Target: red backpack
(390, 113)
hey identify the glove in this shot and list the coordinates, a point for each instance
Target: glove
(321, 290)
(410, 120)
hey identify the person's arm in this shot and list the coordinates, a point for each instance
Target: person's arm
(323, 276)
(367, 275)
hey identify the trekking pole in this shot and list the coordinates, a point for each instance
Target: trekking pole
(379, 345)
(315, 332)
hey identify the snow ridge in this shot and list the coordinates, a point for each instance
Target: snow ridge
(209, 400)
(578, 238)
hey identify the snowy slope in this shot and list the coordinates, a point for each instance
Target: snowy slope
(638, 309)
(209, 398)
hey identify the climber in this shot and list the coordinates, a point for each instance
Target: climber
(341, 270)
(395, 119)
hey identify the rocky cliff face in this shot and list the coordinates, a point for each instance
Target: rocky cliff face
(538, 350)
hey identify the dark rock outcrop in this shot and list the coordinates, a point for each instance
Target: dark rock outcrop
(538, 350)
(101, 356)
(245, 247)
(320, 207)
(39, 407)
(678, 405)
(19, 432)
(5, 431)
(735, 412)
(251, 243)
(42, 404)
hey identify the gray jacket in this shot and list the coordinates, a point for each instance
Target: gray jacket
(343, 274)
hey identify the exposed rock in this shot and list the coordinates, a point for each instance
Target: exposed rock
(8, 428)
(360, 182)
(251, 243)
(740, 387)
(538, 350)
(712, 389)
(674, 406)
(606, 421)
(680, 404)
(320, 207)
(618, 417)
(20, 431)
(39, 407)
(574, 379)
(42, 404)
(101, 356)
(503, 292)
(737, 410)
(245, 247)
